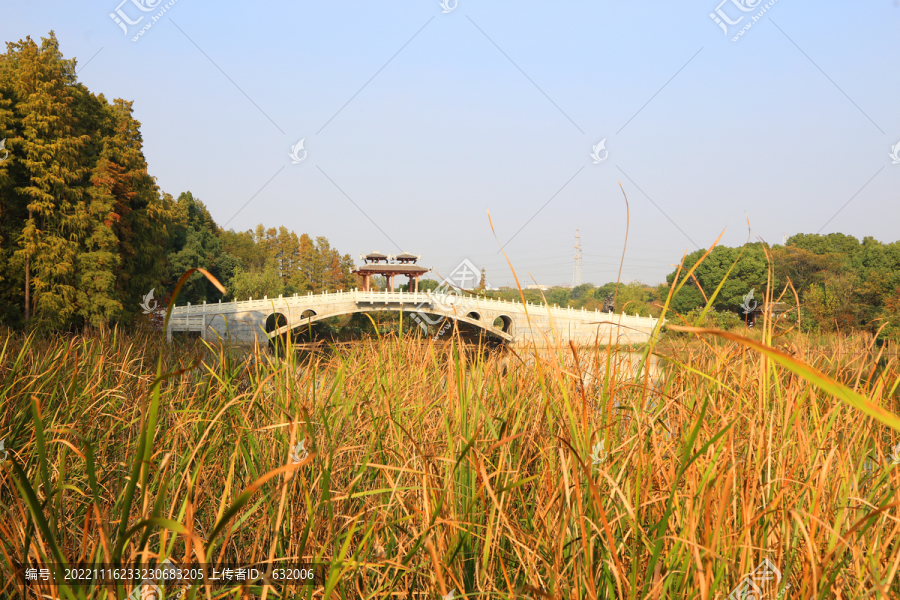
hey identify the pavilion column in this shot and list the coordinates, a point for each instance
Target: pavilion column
(366, 282)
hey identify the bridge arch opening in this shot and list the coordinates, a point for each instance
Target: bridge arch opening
(504, 324)
(474, 316)
(275, 321)
(308, 314)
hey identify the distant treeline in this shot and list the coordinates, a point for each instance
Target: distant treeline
(840, 283)
(250, 264)
(633, 298)
(85, 232)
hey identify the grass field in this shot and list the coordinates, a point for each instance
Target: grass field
(433, 467)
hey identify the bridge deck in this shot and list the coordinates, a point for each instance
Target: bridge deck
(202, 317)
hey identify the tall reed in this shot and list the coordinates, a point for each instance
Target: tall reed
(435, 466)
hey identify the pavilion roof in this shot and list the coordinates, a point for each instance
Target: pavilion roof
(391, 268)
(407, 256)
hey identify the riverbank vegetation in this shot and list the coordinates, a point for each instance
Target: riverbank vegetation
(432, 467)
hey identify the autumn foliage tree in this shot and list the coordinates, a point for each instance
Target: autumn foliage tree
(83, 227)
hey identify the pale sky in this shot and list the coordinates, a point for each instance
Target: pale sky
(416, 122)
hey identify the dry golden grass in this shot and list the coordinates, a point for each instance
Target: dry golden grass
(433, 468)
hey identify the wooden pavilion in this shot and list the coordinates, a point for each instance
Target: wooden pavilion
(376, 263)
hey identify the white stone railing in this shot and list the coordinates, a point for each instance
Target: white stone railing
(469, 303)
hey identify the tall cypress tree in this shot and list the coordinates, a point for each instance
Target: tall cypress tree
(7, 230)
(139, 219)
(308, 263)
(49, 179)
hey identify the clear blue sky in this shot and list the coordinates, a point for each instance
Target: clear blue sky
(426, 120)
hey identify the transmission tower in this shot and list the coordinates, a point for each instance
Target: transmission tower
(576, 280)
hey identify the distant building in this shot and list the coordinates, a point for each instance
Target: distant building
(401, 264)
(537, 286)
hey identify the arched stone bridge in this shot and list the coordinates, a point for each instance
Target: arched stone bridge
(246, 322)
